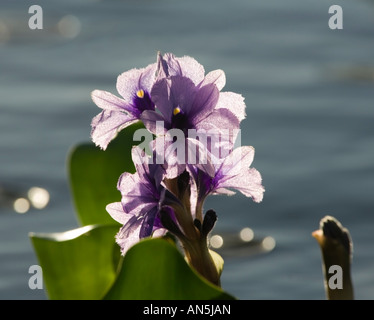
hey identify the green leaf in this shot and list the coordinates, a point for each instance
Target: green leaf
(93, 175)
(154, 269)
(80, 263)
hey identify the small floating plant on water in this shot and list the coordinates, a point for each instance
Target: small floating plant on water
(192, 156)
(171, 140)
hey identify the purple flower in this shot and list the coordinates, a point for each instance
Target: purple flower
(183, 107)
(220, 177)
(190, 104)
(139, 209)
(172, 93)
(161, 196)
(191, 100)
(135, 87)
(169, 65)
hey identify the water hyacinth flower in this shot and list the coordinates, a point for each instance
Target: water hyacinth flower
(134, 86)
(183, 105)
(169, 196)
(191, 108)
(146, 195)
(220, 177)
(138, 210)
(187, 67)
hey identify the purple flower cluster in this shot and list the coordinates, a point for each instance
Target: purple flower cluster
(169, 196)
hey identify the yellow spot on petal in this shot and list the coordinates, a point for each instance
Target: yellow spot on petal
(140, 93)
(176, 111)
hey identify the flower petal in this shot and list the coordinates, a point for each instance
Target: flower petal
(248, 182)
(191, 69)
(140, 160)
(107, 101)
(238, 160)
(158, 233)
(137, 227)
(128, 235)
(107, 124)
(169, 93)
(184, 66)
(199, 156)
(160, 94)
(136, 194)
(204, 103)
(148, 223)
(151, 119)
(219, 120)
(234, 173)
(233, 102)
(216, 77)
(129, 82)
(224, 191)
(115, 210)
(175, 162)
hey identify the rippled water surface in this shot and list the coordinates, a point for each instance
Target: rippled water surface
(309, 92)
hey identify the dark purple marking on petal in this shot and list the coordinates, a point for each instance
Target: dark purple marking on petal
(141, 102)
(129, 228)
(173, 94)
(148, 223)
(182, 121)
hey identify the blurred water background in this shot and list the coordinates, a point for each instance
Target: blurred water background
(309, 92)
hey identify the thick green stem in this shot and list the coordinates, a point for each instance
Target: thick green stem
(198, 256)
(192, 234)
(199, 210)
